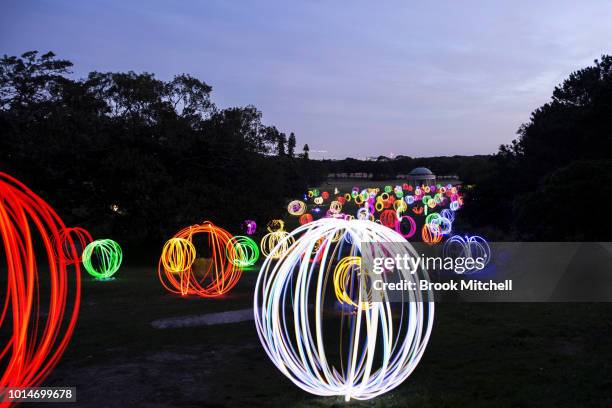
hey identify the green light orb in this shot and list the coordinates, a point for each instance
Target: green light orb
(102, 258)
(242, 251)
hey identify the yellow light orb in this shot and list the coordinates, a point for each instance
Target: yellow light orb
(178, 254)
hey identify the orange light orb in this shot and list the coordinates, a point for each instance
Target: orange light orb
(211, 275)
(431, 234)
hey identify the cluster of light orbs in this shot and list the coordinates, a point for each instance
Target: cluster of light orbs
(390, 207)
(208, 276)
(380, 342)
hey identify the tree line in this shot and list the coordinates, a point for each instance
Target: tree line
(385, 168)
(554, 181)
(131, 156)
(135, 157)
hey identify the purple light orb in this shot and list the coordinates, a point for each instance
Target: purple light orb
(249, 227)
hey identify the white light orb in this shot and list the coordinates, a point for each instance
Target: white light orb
(360, 347)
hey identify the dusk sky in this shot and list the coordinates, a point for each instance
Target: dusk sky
(349, 78)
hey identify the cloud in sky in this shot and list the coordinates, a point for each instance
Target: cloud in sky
(349, 78)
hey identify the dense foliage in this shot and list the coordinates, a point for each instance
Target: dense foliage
(548, 184)
(131, 156)
(553, 181)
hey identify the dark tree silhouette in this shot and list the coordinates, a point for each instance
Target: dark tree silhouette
(280, 146)
(575, 125)
(133, 157)
(291, 145)
(31, 82)
(566, 142)
(305, 150)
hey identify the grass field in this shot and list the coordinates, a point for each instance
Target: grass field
(507, 355)
(502, 355)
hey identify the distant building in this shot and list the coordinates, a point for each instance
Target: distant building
(421, 175)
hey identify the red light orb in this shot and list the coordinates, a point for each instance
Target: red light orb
(37, 320)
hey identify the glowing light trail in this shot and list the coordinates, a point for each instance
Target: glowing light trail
(37, 321)
(102, 258)
(214, 274)
(380, 342)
